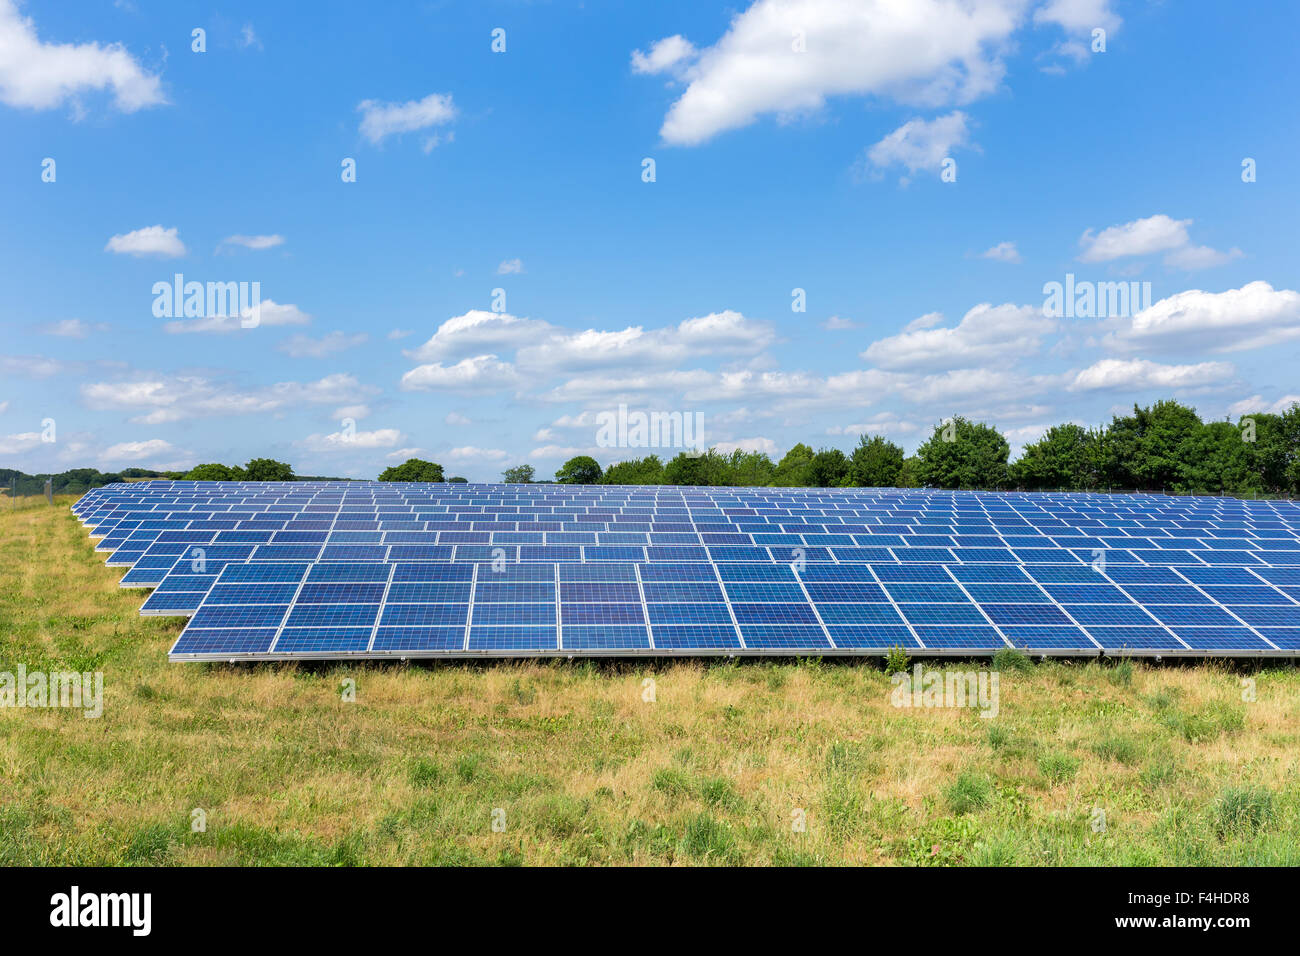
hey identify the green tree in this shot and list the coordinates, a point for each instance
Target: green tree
(964, 454)
(413, 469)
(519, 475)
(580, 470)
(875, 463)
(637, 471)
(1141, 450)
(1065, 457)
(829, 468)
(268, 469)
(687, 468)
(210, 472)
(909, 476)
(751, 468)
(457, 480)
(1215, 459)
(792, 470)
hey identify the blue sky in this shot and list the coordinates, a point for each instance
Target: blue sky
(796, 145)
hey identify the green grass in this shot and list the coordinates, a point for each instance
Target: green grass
(766, 762)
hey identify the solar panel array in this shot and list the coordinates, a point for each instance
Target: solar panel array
(271, 570)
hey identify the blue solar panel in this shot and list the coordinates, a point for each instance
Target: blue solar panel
(361, 568)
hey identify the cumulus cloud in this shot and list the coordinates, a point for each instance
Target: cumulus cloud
(1137, 238)
(510, 266)
(477, 330)
(474, 453)
(1135, 374)
(667, 55)
(149, 241)
(1078, 16)
(1002, 252)
(1257, 404)
(380, 120)
(270, 313)
(474, 374)
(40, 76)
(136, 450)
(1254, 316)
(158, 398)
(921, 144)
(348, 440)
(923, 52)
(986, 334)
(456, 418)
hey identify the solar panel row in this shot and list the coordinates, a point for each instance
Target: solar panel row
(303, 569)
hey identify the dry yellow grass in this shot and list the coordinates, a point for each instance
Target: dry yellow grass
(585, 771)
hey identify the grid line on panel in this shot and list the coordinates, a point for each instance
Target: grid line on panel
(816, 612)
(559, 620)
(469, 613)
(383, 602)
(897, 610)
(645, 609)
(1228, 610)
(1161, 624)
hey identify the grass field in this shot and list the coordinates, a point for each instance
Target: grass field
(585, 771)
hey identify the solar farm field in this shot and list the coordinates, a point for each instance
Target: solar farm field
(793, 759)
(275, 570)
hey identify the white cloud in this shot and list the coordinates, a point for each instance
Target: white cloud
(4, 407)
(32, 366)
(473, 453)
(719, 333)
(248, 37)
(510, 266)
(477, 330)
(254, 242)
(352, 411)
(921, 144)
(764, 445)
(456, 418)
(1254, 316)
(477, 373)
(1140, 237)
(304, 346)
(986, 334)
(1002, 252)
(924, 52)
(72, 328)
(397, 334)
(41, 76)
(404, 453)
(670, 53)
(20, 443)
(838, 323)
(1135, 374)
(1190, 258)
(1256, 404)
(149, 241)
(354, 440)
(880, 425)
(380, 120)
(137, 451)
(1078, 16)
(166, 398)
(270, 313)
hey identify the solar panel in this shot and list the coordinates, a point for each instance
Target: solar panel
(367, 569)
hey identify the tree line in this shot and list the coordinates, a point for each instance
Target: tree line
(1164, 447)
